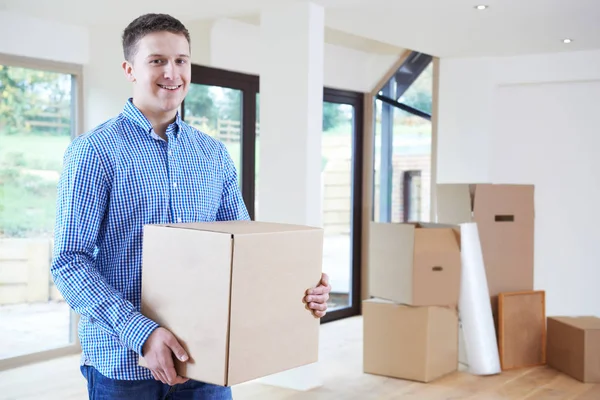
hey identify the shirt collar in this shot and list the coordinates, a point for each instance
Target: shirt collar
(131, 112)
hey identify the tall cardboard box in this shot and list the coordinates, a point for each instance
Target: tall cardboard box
(232, 293)
(407, 342)
(414, 263)
(505, 219)
(573, 347)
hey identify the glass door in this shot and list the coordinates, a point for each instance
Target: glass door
(341, 176)
(38, 119)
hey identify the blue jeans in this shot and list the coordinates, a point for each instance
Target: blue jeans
(103, 388)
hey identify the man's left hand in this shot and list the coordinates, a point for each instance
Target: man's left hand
(316, 298)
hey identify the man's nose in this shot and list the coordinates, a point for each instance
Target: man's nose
(170, 71)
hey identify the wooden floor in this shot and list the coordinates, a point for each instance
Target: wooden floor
(341, 365)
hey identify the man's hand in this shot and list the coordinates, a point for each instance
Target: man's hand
(158, 352)
(316, 298)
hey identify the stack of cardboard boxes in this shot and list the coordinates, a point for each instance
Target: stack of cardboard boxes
(411, 323)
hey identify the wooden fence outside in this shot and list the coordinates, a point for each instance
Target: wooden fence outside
(25, 271)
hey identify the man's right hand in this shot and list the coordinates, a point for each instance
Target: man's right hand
(158, 352)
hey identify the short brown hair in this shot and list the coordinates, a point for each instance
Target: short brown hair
(149, 23)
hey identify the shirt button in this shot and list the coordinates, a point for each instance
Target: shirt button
(174, 184)
(179, 220)
(170, 152)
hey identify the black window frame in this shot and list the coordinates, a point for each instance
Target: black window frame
(356, 100)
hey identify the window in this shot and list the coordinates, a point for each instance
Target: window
(223, 104)
(39, 116)
(342, 199)
(403, 140)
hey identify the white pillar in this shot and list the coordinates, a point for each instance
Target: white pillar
(291, 118)
(291, 114)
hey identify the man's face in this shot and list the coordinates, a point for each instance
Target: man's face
(161, 71)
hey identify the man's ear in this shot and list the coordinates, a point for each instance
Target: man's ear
(128, 70)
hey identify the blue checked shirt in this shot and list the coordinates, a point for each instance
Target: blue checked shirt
(117, 178)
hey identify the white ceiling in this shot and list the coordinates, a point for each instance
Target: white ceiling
(442, 28)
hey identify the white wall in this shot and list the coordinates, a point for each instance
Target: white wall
(532, 119)
(105, 87)
(235, 46)
(32, 37)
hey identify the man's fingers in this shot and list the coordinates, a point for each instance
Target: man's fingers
(177, 349)
(318, 306)
(317, 298)
(171, 375)
(319, 290)
(319, 314)
(180, 379)
(325, 279)
(159, 376)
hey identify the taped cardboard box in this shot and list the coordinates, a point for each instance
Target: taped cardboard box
(232, 293)
(505, 219)
(415, 263)
(573, 347)
(408, 342)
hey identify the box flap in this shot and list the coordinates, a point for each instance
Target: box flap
(241, 227)
(583, 323)
(432, 238)
(391, 251)
(454, 203)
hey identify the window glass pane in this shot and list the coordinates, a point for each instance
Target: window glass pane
(418, 95)
(336, 177)
(35, 130)
(402, 165)
(411, 168)
(217, 111)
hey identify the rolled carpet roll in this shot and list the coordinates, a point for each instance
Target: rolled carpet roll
(475, 310)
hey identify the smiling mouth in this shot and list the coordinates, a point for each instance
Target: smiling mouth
(168, 87)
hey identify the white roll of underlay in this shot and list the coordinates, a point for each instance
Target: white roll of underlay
(474, 307)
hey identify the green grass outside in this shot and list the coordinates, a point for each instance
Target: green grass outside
(29, 169)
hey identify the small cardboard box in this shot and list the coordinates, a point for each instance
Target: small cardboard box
(573, 347)
(415, 263)
(232, 293)
(505, 219)
(407, 342)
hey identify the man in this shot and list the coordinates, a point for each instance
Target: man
(145, 166)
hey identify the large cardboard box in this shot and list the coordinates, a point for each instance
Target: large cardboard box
(407, 342)
(415, 263)
(505, 219)
(232, 293)
(573, 347)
